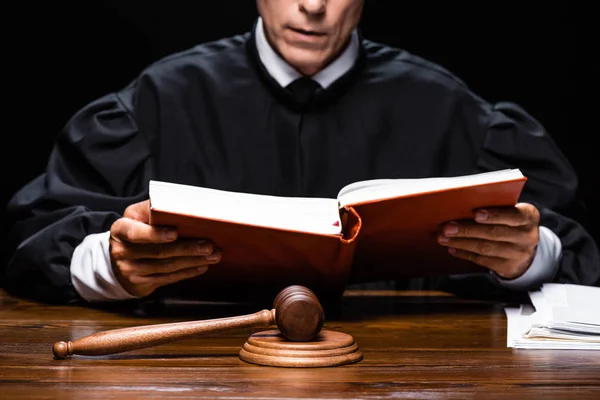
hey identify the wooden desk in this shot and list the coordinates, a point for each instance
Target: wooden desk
(415, 345)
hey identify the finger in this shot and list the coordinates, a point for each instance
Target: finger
(485, 248)
(138, 211)
(166, 279)
(168, 265)
(179, 248)
(129, 230)
(522, 214)
(494, 232)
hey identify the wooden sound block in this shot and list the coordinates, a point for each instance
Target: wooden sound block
(328, 349)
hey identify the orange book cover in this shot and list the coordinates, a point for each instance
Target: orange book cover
(384, 238)
(398, 238)
(259, 260)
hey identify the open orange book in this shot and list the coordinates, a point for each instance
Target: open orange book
(381, 229)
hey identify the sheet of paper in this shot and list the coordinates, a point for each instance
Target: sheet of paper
(560, 316)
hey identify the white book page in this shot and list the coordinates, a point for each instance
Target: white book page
(376, 189)
(311, 215)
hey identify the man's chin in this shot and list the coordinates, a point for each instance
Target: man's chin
(308, 62)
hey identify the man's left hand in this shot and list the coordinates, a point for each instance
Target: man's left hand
(501, 239)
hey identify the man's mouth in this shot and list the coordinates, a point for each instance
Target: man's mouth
(308, 32)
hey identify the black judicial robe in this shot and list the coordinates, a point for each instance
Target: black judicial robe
(212, 116)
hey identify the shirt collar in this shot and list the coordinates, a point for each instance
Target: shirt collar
(285, 74)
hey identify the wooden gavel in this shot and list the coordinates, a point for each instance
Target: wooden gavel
(296, 311)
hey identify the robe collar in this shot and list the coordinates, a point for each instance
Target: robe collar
(285, 74)
(326, 97)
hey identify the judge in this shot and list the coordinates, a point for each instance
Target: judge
(301, 105)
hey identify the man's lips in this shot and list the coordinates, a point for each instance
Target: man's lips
(307, 32)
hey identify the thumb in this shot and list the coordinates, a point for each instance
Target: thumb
(139, 211)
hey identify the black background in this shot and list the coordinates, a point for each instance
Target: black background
(60, 56)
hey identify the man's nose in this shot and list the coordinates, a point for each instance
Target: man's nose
(313, 6)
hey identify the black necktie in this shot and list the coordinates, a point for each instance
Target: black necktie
(303, 89)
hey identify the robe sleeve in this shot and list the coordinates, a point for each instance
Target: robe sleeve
(99, 165)
(506, 136)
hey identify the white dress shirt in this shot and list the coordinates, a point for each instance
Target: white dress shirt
(94, 278)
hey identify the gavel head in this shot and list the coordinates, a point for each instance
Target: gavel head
(298, 313)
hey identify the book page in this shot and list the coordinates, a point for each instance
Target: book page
(378, 189)
(311, 215)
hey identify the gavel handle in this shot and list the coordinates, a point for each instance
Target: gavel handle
(125, 339)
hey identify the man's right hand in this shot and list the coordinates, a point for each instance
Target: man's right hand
(146, 257)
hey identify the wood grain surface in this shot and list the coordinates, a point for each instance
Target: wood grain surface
(415, 345)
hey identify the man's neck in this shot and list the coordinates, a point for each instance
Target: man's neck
(285, 74)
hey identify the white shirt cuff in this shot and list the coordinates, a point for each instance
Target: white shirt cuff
(91, 271)
(544, 266)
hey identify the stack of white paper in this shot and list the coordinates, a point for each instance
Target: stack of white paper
(563, 316)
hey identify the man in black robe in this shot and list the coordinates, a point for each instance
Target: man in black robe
(299, 106)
